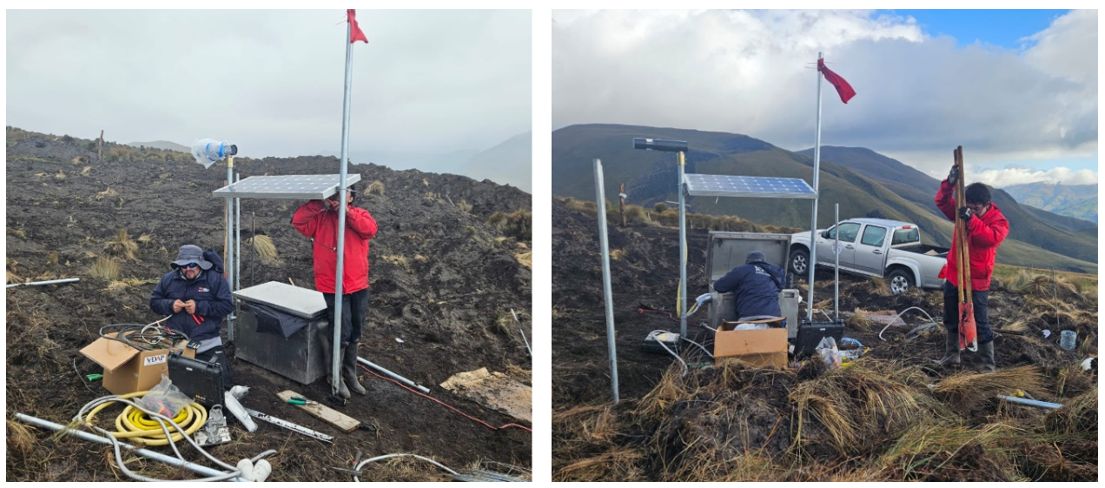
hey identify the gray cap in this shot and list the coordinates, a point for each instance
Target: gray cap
(755, 257)
(191, 254)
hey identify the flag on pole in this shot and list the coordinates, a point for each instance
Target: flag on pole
(842, 87)
(355, 32)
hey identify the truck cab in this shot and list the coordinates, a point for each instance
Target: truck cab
(873, 247)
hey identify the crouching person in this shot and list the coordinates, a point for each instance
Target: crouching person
(197, 297)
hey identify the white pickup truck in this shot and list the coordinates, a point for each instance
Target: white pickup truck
(874, 247)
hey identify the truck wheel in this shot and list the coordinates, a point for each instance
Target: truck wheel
(799, 262)
(900, 281)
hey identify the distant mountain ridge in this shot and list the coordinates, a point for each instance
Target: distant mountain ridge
(1078, 201)
(861, 181)
(169, 145)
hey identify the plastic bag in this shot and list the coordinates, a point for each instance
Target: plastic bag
(851, 349)
(828, 352)
(164, 399)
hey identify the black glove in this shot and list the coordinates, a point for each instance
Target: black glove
(953, 175)
(965, 214)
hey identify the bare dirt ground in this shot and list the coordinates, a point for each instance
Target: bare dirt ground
(449, 263)
(889, 416)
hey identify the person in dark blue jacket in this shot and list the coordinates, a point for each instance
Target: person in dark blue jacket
(197, 297)
(756, 285)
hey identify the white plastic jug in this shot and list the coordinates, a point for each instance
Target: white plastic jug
(207, 151)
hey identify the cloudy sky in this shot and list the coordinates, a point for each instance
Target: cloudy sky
(1017, 89)
(430, 89)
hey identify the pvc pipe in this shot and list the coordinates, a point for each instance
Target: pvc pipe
(816, 197)
(393, 376)
(47, 282)
(156, 456)
(607, 290)
(1030, 402)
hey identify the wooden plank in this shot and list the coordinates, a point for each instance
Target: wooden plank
(331, 416)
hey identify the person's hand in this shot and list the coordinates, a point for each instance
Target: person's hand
(965, 214)
(178, 306)
(190, 307)
(953, 175)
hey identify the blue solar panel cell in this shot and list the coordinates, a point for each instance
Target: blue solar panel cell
(747, 186)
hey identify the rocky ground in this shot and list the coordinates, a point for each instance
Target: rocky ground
(449, 263)
(890, 416)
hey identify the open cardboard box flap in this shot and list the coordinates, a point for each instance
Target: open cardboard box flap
(762, 347)
(109, 353)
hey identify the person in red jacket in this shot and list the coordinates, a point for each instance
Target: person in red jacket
(986, 228)
(318, 220)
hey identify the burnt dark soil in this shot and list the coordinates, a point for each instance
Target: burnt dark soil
(448, 264)
(889, 416)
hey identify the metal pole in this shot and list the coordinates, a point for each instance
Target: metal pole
(229, 268)
(157, 456)
(237, 238)
(682, 304)
(816, 196)
(607, 291)
(338, 278)
(836, 265)
(394, 376)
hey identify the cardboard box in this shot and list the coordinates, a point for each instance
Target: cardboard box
(127, 369)
(762, 348)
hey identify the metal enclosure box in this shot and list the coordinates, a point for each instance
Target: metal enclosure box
(727, 250)
(299, 357)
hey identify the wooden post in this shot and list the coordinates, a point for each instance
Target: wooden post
(621, 202)
(100, 148)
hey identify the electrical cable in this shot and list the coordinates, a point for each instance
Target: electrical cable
(446, 405)
(899, 316)
(362, 464)
(700, 346)
(653, 334)
(87, 412)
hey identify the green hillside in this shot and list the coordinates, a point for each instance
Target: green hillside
(861, 181)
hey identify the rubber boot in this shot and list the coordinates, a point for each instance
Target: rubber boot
(951, 350)
(349, 369)
(987, 353)
(343, 391)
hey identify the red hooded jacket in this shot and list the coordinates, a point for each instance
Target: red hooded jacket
(985, 234)
(316, 220)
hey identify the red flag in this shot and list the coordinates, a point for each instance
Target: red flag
(842, 87)
(355, 32)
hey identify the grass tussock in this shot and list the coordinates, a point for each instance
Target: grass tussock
(516, 224)
(969, 390)
(376, 188)
(105, 268)
(266, 250)
(618, 464)
(524, 258)
(20, 438)
(122, 246)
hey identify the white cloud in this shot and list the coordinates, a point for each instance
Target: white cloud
(750, 72)
(1015, 176)
(431, 81)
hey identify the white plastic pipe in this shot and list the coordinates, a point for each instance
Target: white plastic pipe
(393, 376)
(1030, 402)
(47, 282)
(156, 456)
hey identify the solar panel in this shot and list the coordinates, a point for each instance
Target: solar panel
(702, 185)
(286, 187)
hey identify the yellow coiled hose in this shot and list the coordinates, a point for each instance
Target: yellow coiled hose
(135, 426)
